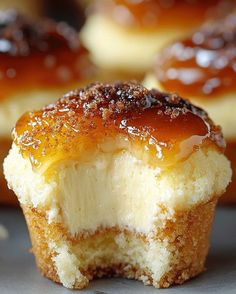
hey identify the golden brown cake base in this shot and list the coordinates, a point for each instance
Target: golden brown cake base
(230, 196)
(7, 197)
(187, 240)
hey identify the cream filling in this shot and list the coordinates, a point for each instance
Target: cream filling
(117, 189)
(114, 47)
(221, 109)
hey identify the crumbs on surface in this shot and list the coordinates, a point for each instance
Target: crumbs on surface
(163, 124)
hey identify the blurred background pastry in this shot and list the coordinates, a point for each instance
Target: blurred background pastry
(125, 34)
(202, 67)
(32, 8)
(38, 60)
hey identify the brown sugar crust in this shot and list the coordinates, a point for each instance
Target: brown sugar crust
(7, 197)
(202, 65)
(158, 123)
(159, 15)
(188, 242)
(230, 195)
(39, 53)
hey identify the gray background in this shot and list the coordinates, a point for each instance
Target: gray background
(18, 273)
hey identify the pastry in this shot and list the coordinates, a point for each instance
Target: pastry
(31, 8)
(124, 35)
(38, 61)
(117, 180)
(202, 68)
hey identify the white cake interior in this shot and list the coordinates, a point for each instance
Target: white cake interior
(117, 189)
(117, 192)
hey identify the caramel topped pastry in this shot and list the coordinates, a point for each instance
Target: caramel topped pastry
(149, 14)
(39, 60)
(118, 179)
(162, 124)
(203, 64)
(126, 34)
(39, 54)
(202, 68)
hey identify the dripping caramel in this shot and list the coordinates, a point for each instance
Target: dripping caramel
(163, 126)
(152, 14)
(39, 54)
(204, 64)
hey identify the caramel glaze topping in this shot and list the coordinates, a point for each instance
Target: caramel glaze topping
(39, 54)
(162, 128)
(203, 65)
(161, 14)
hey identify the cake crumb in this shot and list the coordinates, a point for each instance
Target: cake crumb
(3, 233)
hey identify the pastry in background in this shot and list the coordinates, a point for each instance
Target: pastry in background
(38, 61)
(124, 34)
(202, 67)
(115, 179)
(32, 8)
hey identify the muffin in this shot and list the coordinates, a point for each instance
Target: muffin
(117, 180)
(202, 68)
(124, 35)
(38, 61)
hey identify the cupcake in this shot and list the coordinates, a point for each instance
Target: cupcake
(202, 68)
(117, 180)
(38, 61)
(124, 35)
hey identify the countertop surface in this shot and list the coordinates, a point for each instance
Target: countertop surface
(18, 273)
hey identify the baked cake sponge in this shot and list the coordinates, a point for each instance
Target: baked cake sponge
(118, 180)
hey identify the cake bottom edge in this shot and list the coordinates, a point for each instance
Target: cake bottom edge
(175, 253)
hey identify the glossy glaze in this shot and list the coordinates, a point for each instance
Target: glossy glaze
(43, 54)
(203, 65)
(163, 128)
